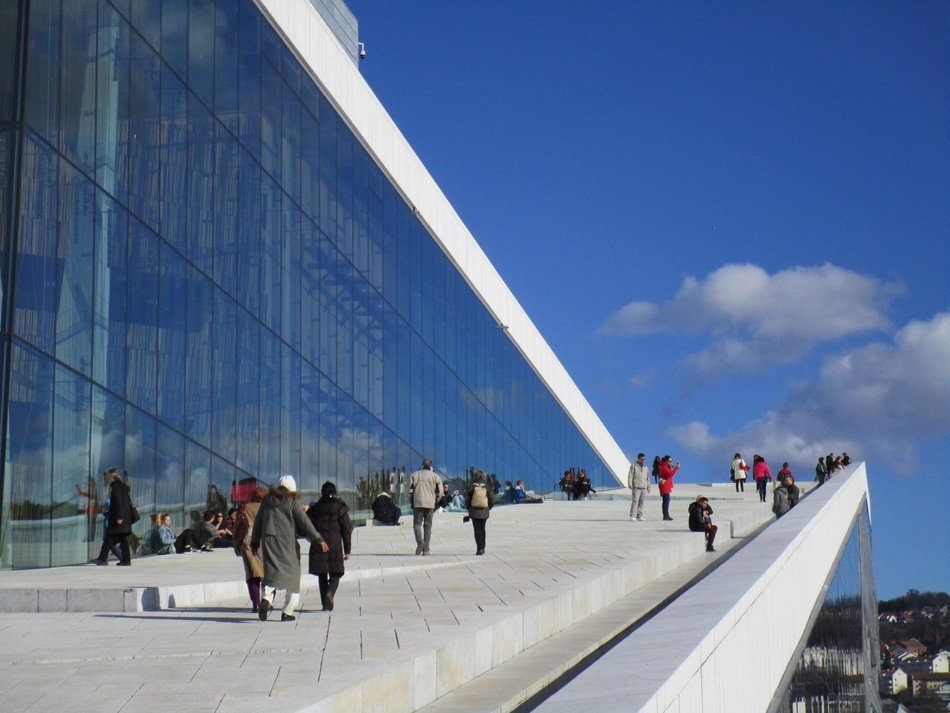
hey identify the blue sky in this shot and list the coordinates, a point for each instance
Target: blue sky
(730, 221)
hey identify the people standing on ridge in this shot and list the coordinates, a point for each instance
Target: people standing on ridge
(279, 522)
(700, 520)
(667, 471)
(119, 523)
(638, 480)
(780, 477)
(330, 516)
(243, 527)
(479, 500)
(821, 472)
(656, 469)
(740, 470)
(845, 460)
(762, 475)
(425, 489)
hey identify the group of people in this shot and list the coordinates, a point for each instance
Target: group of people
(830, 464)
(576, 486)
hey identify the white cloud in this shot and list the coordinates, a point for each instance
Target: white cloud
(880, 401)
(755, 319)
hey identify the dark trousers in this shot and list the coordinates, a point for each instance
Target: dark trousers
(478, 525)
(740, 485)
(109, 542)
(666, 505)
(762, 484)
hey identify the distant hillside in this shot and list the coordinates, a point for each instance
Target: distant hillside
(914, 600)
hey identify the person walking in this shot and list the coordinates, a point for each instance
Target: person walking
(253, 567)
(700, 520)
(638, 480)
(479, 500)
(280, 520)
(762, 475)
(119, 525)
(667, 471)
(821, 472)
(739, 470)
(425, 489)
(330, 516)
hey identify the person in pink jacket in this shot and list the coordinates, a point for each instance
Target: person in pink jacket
(762, 475)
(667, 471)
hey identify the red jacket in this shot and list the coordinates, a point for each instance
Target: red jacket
(667, 472)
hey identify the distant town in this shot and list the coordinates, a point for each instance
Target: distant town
(915, 652)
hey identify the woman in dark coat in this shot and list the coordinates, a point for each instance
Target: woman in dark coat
(331, 518)
(479, 499)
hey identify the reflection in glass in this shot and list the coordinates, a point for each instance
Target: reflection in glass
(227, 287)
(838, 668)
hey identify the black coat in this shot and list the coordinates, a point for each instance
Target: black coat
(697, 513)
(331, 518)
(120, 508)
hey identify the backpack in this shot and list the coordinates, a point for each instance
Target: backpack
(780, 505)
(242, 528)
(479, 496)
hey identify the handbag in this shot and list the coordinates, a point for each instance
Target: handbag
(133, 514)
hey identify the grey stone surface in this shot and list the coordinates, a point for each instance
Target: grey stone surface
(556, 580)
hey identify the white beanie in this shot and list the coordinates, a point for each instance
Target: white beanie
(287, 481)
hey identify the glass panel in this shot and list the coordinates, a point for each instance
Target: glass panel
(198, 357)
(270, 253)
(290, 282)
(146, 17)
(78, 85)
(224, 359)
(9, 66)
(113, 89)
(248, 248)
(144, 137)
(226, 63)
(75, 278)
(309, 274)
(833, 671)
(200, 199)
(174, 152)
(25, 535)
(201, 50)
(73, 526)
(270, 119)
(270, 408)
(172, 337)
(290, 144)
(175, 35)
(109, 313)
(290, 417)
(142, 315)
(169, 474)
(37, 264)
(7, 139)
(197, 479)
(249, 78)
(248, 418)
(41, 105)
(227, 162)
(139, 467)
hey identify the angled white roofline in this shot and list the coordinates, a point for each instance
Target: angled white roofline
(332, 68)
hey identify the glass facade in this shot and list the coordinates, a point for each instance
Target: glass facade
(839, 666)
(208, 281)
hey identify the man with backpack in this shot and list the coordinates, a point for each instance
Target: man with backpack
(479, 499)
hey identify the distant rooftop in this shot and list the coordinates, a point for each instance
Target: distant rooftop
(343, 24)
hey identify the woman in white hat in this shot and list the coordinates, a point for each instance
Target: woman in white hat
(280, 521)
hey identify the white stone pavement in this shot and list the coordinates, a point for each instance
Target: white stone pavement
(407, 633)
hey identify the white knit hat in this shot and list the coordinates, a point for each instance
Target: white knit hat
(287, 481)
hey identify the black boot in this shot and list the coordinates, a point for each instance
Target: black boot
(331, 591)
(322, 583)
